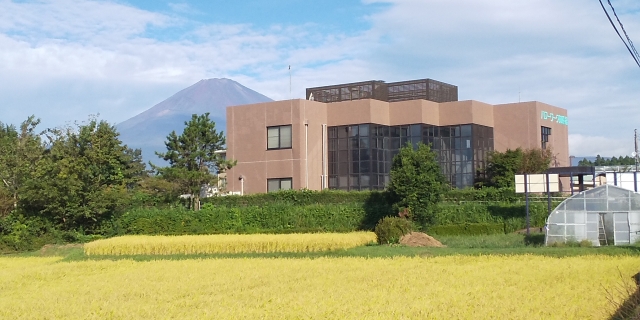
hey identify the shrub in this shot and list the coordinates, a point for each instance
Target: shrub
(467, 229)
(491, 241)
(558, 244)
(23, 234)
(389, 230)
(586, 243)
(573, 243)
(534, 239)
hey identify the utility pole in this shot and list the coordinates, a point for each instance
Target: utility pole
(635, 141)
(635, 155)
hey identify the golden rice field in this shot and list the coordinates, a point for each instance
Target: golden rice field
(228, 243)
(452, 287)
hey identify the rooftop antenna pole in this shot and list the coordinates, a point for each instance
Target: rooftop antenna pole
(290, 96)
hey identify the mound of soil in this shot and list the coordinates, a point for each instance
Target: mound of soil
(420, 239)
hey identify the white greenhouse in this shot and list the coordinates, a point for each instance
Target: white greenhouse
(606, 215)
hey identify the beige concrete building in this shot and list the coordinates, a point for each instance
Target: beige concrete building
(348, 144)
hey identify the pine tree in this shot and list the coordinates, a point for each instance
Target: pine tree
(192, 156)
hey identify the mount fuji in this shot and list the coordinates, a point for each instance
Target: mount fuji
(149, 129)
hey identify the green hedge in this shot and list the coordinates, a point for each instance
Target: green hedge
(497, 212)
(376, 198)
(467, 229)
(484, 194)
(511, 216)
(303, 197)
(272, 218)
(326, 211)
(287, 218)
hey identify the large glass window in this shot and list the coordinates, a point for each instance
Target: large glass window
(365, 152)
(279, 184)
(279, 137)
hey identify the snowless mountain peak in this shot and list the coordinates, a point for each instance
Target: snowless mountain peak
(149, 129)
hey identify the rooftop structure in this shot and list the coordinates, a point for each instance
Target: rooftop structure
(426, 89)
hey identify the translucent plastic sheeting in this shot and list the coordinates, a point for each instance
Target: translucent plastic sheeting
(604, 215)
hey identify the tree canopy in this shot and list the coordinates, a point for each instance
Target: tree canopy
(503, 166)
(83, 176)
(20, 150)
(192, 156)
(613, 161)
(416, 181)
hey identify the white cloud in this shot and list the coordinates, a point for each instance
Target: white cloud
(582, 145)
(81, 21)
(563, 53)
(63, 60)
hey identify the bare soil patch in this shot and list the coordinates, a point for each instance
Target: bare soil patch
(420, 239)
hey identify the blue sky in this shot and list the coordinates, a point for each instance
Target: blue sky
(67, 59)
(342, 16)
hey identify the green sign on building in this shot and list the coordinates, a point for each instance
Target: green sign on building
(548, 116)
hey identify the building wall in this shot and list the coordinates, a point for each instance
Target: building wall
(247, 144)
(519, 125)
(357, 111)
(316, 115)
(514, 125)
(413, 111)
(559, 139)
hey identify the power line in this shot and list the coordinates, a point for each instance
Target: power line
(630, 47)
(623, 30)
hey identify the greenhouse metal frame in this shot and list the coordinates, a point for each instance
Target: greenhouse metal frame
(606, 215)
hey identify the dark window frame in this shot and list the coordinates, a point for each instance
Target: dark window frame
(280, 180)
(545, 132)
(280, 137)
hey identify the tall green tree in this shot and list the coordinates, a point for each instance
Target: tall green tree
(84, 176)
(417, 182)
(536, 160)
(192, 156)
(503, 166)
(600, 161)
(20, 150)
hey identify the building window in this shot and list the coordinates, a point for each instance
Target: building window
(279, 184)
(545, 133)
(279, 137)
(360, 156)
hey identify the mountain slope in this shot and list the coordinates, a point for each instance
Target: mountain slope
(149, 129)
